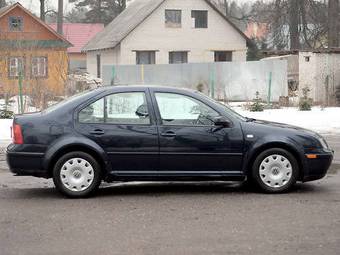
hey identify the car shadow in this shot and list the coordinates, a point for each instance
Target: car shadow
(162, 189)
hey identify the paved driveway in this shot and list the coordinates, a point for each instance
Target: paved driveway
(170, 218)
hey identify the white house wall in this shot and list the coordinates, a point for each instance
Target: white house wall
(201, 43)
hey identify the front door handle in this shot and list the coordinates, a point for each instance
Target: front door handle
(97, 132)
(169, 134)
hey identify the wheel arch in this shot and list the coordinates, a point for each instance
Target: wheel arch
(63, 147)
(272, 145)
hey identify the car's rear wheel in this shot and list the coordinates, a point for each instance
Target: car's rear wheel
(275, 170)
(77, 174)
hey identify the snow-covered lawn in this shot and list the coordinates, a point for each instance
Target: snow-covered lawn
(324, 121)
(5, 130)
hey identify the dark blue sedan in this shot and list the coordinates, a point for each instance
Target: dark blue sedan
(140, 133)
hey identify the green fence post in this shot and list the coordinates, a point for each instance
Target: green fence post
(113, 74)
(20, 93)
(212, 82)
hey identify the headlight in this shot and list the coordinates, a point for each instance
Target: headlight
(323, 143)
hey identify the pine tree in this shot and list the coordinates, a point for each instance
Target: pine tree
(101, 11)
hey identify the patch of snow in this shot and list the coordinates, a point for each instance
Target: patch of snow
(324, 121)
(5, 130)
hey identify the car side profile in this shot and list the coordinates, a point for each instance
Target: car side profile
(154, 133)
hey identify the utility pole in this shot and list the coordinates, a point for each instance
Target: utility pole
(294, 25)
(42, 10)
(60, 16)
(333, 23)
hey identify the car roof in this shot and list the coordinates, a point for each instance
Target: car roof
(156, 87)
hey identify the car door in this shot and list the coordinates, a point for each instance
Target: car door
(190, 140)
(122, 123)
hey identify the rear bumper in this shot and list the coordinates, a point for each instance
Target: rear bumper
(26, 163)
(317, 168)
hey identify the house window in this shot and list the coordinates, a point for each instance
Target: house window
(39, 67)
(15, 23)
(145, 57)
(178, 57)
(223, 56)
(199, 19)
(307, 58)
(173, 18)
(15, 66)
(98, 66)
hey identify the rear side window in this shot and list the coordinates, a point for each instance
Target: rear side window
(120, 108)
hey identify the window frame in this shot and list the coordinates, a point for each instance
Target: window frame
(46, 67)
(159, 116)
(173, 25)
(10, 27)
(104, 96)
(207, 19)
(182, 52)
(146, 51)
(9, 67)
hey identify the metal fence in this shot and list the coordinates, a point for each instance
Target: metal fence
(229, 81)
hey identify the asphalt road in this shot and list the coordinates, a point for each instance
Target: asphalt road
(170, 218)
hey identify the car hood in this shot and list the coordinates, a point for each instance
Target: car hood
(282, 126)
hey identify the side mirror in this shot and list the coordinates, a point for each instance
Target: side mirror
(142, 111)
(222, 122)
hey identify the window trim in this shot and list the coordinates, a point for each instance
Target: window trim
(103, 96)
(9, 67)
(159, 116)
(10, 23)
(46, 67)
(179, 24)
(205, 11)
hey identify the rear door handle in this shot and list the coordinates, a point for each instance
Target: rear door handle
(97, 132)
(169, 134)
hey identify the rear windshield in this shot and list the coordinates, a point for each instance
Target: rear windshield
(66, 101)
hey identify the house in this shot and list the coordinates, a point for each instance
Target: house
(31, 50)
(79, 34)
(166, 32)
(315, 69)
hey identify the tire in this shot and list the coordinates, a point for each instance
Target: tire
(275, 171)
(77, 175)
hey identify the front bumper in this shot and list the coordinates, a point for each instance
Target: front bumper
(317, 168)
(25, 163)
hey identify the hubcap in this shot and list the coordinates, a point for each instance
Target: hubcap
(275, 171)
(77, 174)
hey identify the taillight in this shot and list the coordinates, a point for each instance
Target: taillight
(17, 137)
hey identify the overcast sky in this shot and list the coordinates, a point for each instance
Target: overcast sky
(33, 5)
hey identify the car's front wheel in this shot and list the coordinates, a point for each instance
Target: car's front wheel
(275, 170)
(77, 174)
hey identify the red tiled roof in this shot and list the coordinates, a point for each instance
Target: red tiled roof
(78, 34)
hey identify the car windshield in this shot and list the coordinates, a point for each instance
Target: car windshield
(66, 101)
(227, 108)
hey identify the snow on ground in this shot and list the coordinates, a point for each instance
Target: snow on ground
(325, 121)
(5, 131)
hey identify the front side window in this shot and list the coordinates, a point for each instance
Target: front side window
(15, 23)
(178, 57)
(15, 67)
(39, 67)
(199, 19)
(173, 18)
(223, 56)
(145, 57)
(120, 108)
(176, 109)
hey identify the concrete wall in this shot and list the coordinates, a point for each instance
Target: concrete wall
(201, 43)
(321, 75)
(237, 81)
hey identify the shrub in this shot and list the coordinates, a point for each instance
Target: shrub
(305, 103)
(257, 105)
(6, 114)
